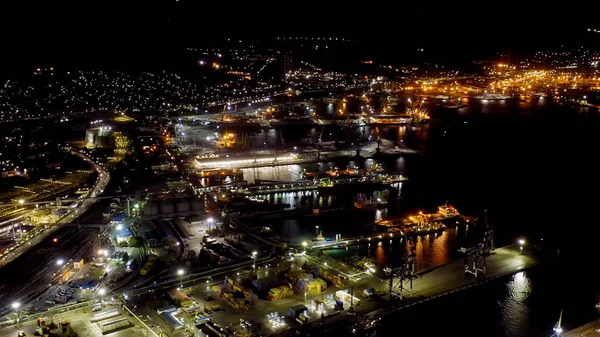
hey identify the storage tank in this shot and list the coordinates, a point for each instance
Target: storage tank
(182, 205)
(167, 206)
(150, 209)
(197, 204)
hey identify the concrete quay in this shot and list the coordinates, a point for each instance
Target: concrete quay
(429, 285)
(591, 329)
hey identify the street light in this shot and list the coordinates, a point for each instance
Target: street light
(21, 202)
(60, 262)
(521, 243)
(304, 243)
(102, 292)
(16, 305)
(254, 253)
(180, 273)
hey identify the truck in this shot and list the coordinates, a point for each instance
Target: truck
(297, 311)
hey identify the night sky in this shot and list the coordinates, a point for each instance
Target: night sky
(110, 33)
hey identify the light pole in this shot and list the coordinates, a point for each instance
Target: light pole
(317, 227)
(521, 244)
(102, 292)
(60, 264)
(210, 221)
(254, 253)
(180, 273)
(16, 305)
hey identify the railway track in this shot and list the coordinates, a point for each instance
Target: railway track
(37, 270)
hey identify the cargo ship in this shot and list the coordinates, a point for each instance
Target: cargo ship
(422, 222)
(368, 203)
(336, 173)
(412, 115)
(421, 229)
(363, 184)
(445, 212)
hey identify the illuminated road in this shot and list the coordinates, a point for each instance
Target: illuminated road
(32, 270)
(103, 179)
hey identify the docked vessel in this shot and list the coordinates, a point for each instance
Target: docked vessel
(336, 173)
(412, 115)
(417, 229)
(445, 212)
(421, 222)
(369, 203)
(452, 106)
(215, 176)
(488, 96)
(293, 120)
(362, 184)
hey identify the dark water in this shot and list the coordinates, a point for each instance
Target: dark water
(534, 166)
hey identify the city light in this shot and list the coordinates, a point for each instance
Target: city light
(60, 262)
(15, 305)
(102, 291)
(21, 201)
(180, 272)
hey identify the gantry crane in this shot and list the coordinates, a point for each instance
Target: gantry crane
(475, 258)
(404, 274)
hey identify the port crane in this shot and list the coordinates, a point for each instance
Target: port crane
(558, 327)
(475, 258)
(405, 275)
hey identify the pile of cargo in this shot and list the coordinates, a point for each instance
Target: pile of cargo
(262, 285)
(279, 292)
(180, 298)
(324, 273)
(306, 283)
(235, 295)
(311, 286)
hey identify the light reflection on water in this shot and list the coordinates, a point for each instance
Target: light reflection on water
(293, 172)
(514, 308)
(299, 200)
(432, 250)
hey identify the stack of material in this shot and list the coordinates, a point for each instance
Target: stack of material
(312, 288)
(293, 276)
(264, 283)
(322, 283)
(279, 292)
(313, 269)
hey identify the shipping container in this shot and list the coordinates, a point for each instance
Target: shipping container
(180, 298)
(279, 292)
